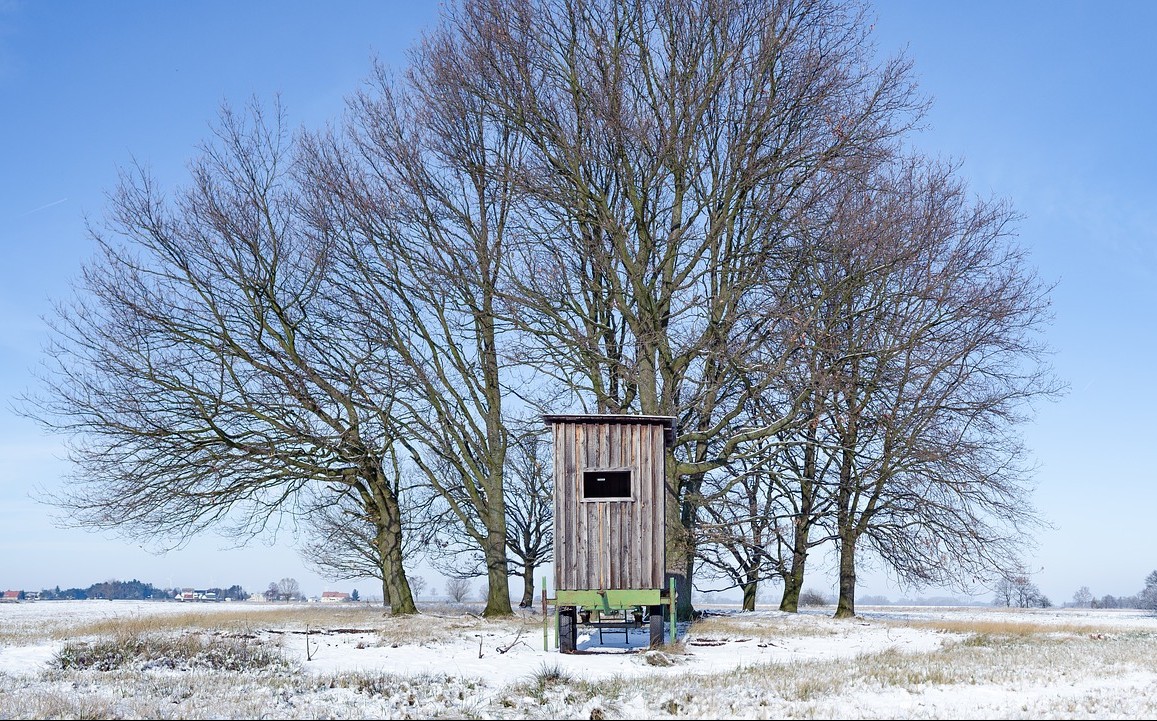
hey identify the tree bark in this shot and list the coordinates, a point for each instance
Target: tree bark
(793, 579)
(394, 581)
(749, 590)
(677, 543)
(497, 574)
(528, 569)
(846, 605)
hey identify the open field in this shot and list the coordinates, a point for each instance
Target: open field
(102, 659)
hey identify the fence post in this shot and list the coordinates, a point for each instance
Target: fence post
(545, 632)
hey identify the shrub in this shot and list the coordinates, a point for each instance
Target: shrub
(811, 597)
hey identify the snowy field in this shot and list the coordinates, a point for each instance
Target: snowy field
(122, 659)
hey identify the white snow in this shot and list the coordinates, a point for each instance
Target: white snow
(888, 662)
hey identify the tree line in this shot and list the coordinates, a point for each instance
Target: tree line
(705, 209)
(1146, 598)
(133, 590)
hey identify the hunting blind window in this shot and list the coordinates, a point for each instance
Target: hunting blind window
(607, 484)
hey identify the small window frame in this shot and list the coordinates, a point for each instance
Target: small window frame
(617, 470)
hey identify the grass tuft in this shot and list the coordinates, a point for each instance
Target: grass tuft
(182, 652)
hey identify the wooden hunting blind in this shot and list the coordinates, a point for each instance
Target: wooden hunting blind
(610, 502)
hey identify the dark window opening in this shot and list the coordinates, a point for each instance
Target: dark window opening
(607, 484)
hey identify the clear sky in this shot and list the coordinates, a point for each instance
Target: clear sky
(1048, 104)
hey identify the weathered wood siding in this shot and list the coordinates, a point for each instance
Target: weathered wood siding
(611, 544)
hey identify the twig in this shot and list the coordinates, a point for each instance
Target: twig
(308, 652)
(504, 649)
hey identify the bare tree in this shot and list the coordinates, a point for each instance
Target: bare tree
(205, 374)
(420, 193)
(1003, 592)
(457, 589)
(288, 589)
(1148, 596)
(761, 512)
(530, 509)
(800, 456)
(666, 144)
(1083, 598)
(418, 584)
(740, 537)
(921, 358)
(1016, 589)
(933, 338)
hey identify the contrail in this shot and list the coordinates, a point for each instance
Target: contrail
(43, 207)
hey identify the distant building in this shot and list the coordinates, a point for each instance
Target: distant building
(10, 596)
(334, 596)
(193, 594)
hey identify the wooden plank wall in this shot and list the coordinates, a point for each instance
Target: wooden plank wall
(609, 544)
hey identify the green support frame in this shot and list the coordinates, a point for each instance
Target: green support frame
(608, 600)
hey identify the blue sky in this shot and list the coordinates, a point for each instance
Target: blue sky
(1048, 104)
(1052, 106)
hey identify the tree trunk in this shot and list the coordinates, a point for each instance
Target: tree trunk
(792, 586)
(677, 544)
(401, 597)
(527, 601)
(749, 590)
(846, 512)
(395, 585)
(846, 605)
(801, 528)
(497, 574)
(793, 580)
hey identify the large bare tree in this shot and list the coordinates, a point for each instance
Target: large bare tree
(667, 145)
(935, 360)
(204, 375)
(418, 192)
(922, 357)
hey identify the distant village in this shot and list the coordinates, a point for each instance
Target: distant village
(286, 591)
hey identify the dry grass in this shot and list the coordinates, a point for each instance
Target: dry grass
(995, 624)
(1009, 627)
(241, 620)
(762, 628)
(19, 635)
(422, 629)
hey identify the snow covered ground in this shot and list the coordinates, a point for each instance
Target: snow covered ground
(355, 661)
